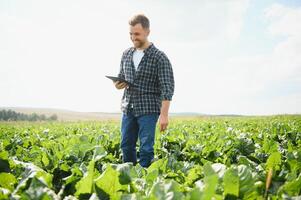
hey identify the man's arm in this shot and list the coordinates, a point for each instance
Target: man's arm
(164, 115)
(166, 83)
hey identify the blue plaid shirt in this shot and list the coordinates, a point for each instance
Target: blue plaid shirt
(153, 81)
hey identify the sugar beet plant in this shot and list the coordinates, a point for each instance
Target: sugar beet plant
(213, 158)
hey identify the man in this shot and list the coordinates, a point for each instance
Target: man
(148, 98)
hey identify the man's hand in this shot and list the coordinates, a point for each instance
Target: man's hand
(163, 121)
(120, 85)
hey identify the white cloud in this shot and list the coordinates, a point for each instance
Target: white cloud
(286, 22)
(242, 84)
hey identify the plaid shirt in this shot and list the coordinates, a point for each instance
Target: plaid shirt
(153, 81)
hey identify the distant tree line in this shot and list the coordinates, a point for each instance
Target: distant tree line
(10, 115)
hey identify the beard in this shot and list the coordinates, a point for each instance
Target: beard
(138, 43)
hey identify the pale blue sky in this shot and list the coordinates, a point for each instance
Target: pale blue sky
(229, 57)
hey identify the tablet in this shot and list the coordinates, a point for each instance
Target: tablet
(114, 78)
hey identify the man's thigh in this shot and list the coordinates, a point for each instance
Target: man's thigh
(147, 128)
(129, 130)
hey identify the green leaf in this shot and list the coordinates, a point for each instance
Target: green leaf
(38, 190)
(292, 188)
(45, 178)
(158, 165)
(193, 174)
(84, 186)
(152, 176)
(165, 190)
(245, 161)
(194, 194)
(131, 196)
(294, 161)
(7, 181)
(99, 153)
(32, 171)
(76, 174)
(274, 161)
(269, 145)
(4, 193)
(4, 155)
(208, 170)
(45, 159)
(127, 172)
(109, 183)
(219, 169)
(231, 182)
(246, 182)
(140, 171)
(209, 185)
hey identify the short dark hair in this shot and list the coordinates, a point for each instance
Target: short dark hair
(139, 19)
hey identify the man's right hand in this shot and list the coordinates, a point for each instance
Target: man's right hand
(120, 85)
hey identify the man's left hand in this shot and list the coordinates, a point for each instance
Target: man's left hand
(163, 121)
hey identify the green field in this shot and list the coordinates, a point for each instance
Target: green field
(201, 158)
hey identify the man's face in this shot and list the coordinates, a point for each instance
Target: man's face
(138, 35)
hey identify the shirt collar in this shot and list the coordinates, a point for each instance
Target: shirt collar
(147, 50)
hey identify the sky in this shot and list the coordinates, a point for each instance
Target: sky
(228, 57)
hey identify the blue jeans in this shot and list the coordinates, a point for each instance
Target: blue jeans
(143, 127)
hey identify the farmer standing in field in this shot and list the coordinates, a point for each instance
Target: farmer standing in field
(148, 99)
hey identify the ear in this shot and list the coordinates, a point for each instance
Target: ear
(147, 32)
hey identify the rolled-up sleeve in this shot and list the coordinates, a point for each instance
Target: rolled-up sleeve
(166, 78)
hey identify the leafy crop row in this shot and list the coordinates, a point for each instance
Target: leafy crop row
(215, 158)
